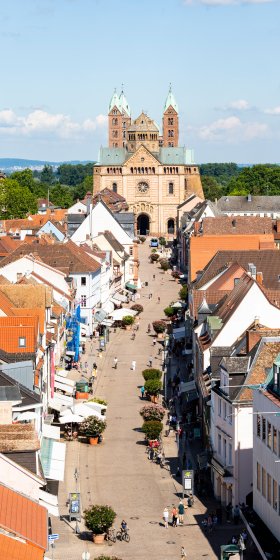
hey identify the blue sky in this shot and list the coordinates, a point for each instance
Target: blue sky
(61, 59)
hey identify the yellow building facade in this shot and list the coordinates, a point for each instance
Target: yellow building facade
(150, 171)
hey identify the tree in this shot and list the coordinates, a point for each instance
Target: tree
(74, 175)
(16, 201)
(24, 178)
(47, 175)
(61, 195)
(211, 187)
(256, 180)
(80, 190)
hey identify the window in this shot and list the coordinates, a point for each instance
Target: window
(115, 187)
(171, 188)
(229, 454)
(274, 440)
(83, 281)
(268, 434)
(229, 414)
(258, 425)
(224, 410)
(22, 342)
(225, 451)
(219, 407)
(263, 482)
(83, 301)
(274, 495)
(269, 488)
(131, 251)
(219, 444)
(259, 477)
(264, 429)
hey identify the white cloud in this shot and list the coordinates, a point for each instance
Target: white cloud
(226, 2)
(273, 111)
(232, 129)
(239, 104)
(40, 122)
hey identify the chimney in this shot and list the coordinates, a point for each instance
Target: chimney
(259, 278)
(252, 269)
(196, 227)
(252, 337)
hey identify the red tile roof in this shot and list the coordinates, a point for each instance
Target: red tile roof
(12, 549)
(23, 517)
(13, 328)
(236, 225)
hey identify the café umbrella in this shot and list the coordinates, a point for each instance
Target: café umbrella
(70, 418)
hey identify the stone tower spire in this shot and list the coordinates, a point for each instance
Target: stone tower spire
(170, 121)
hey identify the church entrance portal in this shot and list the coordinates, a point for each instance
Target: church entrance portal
(143, 224)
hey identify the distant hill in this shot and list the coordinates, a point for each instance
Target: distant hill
(8, 165)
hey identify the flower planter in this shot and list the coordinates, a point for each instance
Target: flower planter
(83, 396)
(154, 399)
(99, 539)
(93, 440)
(128, 327)
(160, 335)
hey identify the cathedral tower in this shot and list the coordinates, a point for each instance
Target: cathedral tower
(119, 119)
(170, 121)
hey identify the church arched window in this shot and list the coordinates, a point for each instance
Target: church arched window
(171, 188)
(115, 187)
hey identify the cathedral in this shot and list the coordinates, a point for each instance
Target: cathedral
(151, 171)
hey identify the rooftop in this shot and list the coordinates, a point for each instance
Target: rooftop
(223, 225)
(14, 549)
(249, 203)
(23, 517)
(18, 437)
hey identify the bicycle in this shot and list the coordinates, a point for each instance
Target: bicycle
(123, 535)
(110, 535)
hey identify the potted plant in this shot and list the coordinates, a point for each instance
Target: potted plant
(151, 373)
(162, 241)
(154, 257)
(152, 429)
(152, 412)
(164, 265)
(99, 519)
(127, 321)
(152, 388)
(142, 238)
(183, 293)
(99, 401)
(169, 311)
(137, 307)
(159, 328)
(92, 427)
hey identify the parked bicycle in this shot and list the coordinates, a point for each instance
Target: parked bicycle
(123, 535)
(110, 535)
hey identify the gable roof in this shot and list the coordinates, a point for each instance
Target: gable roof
(266, 261)
(267, 352)
(28, 295)
(13, 549)
(67, 257)
(236, 225)
(204, 247)
(113, 241)
(253, 204)
(23, 517)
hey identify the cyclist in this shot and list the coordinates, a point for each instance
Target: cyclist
(124, 526)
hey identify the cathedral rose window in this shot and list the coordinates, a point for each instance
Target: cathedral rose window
(143, 187)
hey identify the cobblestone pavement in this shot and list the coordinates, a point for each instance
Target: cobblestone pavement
(118, 472)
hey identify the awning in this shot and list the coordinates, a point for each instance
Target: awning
(131, 286)
(68, 382)
(119, 297)
(62, 372)
(64, 387)
(118, 314)
(50, 502)
(107, 323)
(108, 307)
(53, 458)
(59, 400)
(52, 432)
(100, 315)
(179, 333)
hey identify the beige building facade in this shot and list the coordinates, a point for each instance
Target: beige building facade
(150, 171)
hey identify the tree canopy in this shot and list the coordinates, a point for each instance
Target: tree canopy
(16, 200)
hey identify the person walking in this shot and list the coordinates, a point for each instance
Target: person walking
(236, 515)
(142, 391)
(166, 517)
(158, 299)
(133, 365)
(183, 553)
(150, 361)
(154, 341)
(181, 511)
(154, 276)
(149, 328)
(115, 362)
(174, 516)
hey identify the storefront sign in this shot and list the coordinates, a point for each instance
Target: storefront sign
(74, 505)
